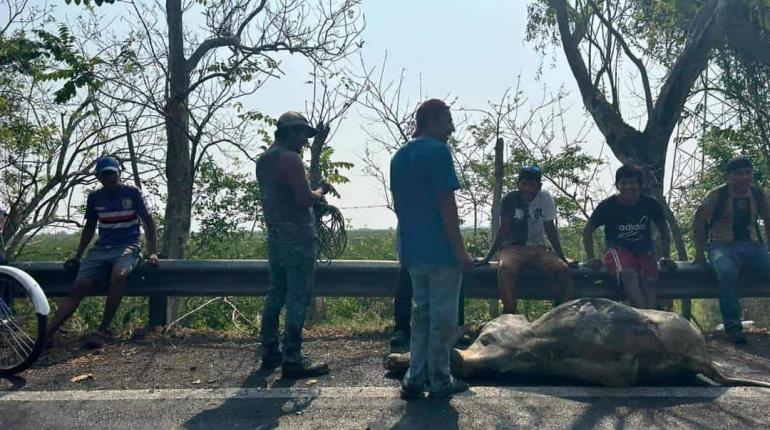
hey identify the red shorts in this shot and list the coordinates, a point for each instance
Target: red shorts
(619, 259)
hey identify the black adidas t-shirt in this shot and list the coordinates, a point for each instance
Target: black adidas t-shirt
(628, 226)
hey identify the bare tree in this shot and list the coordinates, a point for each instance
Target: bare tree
(47, 149)
(251, 32)
(45, 167)
(599, 39)
(390, 121)
(334, 93)
(490, 129)
(195, 77)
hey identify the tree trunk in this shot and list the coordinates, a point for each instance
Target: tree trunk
(497, 188)
(497, 198)
(317, 307)
(315, 163)
(176, 225)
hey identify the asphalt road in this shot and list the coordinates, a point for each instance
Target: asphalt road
(380, 408)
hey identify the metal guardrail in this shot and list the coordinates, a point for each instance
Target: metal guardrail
(361, 278)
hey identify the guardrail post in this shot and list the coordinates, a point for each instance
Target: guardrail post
(687, 308)
(158, 310)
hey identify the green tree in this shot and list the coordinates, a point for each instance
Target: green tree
(51, 125)
(602, 39)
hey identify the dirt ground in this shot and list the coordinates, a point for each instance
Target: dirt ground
(191, 359)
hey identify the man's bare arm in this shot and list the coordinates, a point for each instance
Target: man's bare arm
(553, 237)
(700, 228)
(293, 172)
(451, 223)
(85, 238)
(502, 232)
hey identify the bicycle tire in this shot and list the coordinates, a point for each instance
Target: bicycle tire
(42, 322)
(13, 331)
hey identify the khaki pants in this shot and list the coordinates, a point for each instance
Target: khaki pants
(514, 257)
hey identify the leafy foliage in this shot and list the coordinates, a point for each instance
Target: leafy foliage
(225, 201)
(49, 57)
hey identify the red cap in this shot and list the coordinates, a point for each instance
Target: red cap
(430, 108)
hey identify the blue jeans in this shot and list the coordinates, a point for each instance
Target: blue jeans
(726, 259)
(402, 303)
(293, 286)
(436, 291)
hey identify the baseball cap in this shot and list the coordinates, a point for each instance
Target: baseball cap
(295, 119)
(107, 164)
(531, 172)
(739, 163)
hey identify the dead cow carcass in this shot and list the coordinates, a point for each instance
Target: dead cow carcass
(593, 340)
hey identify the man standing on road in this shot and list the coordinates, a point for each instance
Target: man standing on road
(526, 216)
(117, 209)
(287, 202)
(727, 221)
(423, 182)
(627, 218)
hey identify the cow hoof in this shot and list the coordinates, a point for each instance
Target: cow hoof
(396, 363)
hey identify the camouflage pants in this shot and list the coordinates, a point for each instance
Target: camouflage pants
(292, 278)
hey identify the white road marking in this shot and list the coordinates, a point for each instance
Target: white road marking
(381, 392)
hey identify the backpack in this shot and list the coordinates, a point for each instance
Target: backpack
(723, 192)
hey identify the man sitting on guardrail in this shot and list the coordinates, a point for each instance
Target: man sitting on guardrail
(526, 216)
(627, 218)
(117, 209)
(287, 202)
(423, 182)
(726, 220)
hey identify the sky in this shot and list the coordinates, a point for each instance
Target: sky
(470, 50)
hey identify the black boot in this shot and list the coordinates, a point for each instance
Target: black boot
(303, 368)
(271, 359)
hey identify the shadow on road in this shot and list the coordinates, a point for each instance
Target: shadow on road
(260, 413)
(660, 413)
(428, 414)
(12, 383)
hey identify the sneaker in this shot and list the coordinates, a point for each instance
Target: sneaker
(410, 392)
(271, 360)
(399, 339)
(457, 386)
(303, 369)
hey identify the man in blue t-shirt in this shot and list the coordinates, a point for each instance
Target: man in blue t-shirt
(423, 182)
(116, 209)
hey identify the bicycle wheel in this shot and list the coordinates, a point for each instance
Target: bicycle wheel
(22, 329)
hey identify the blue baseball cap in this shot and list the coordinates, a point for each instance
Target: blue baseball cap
(107, 164)
(531, 172)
